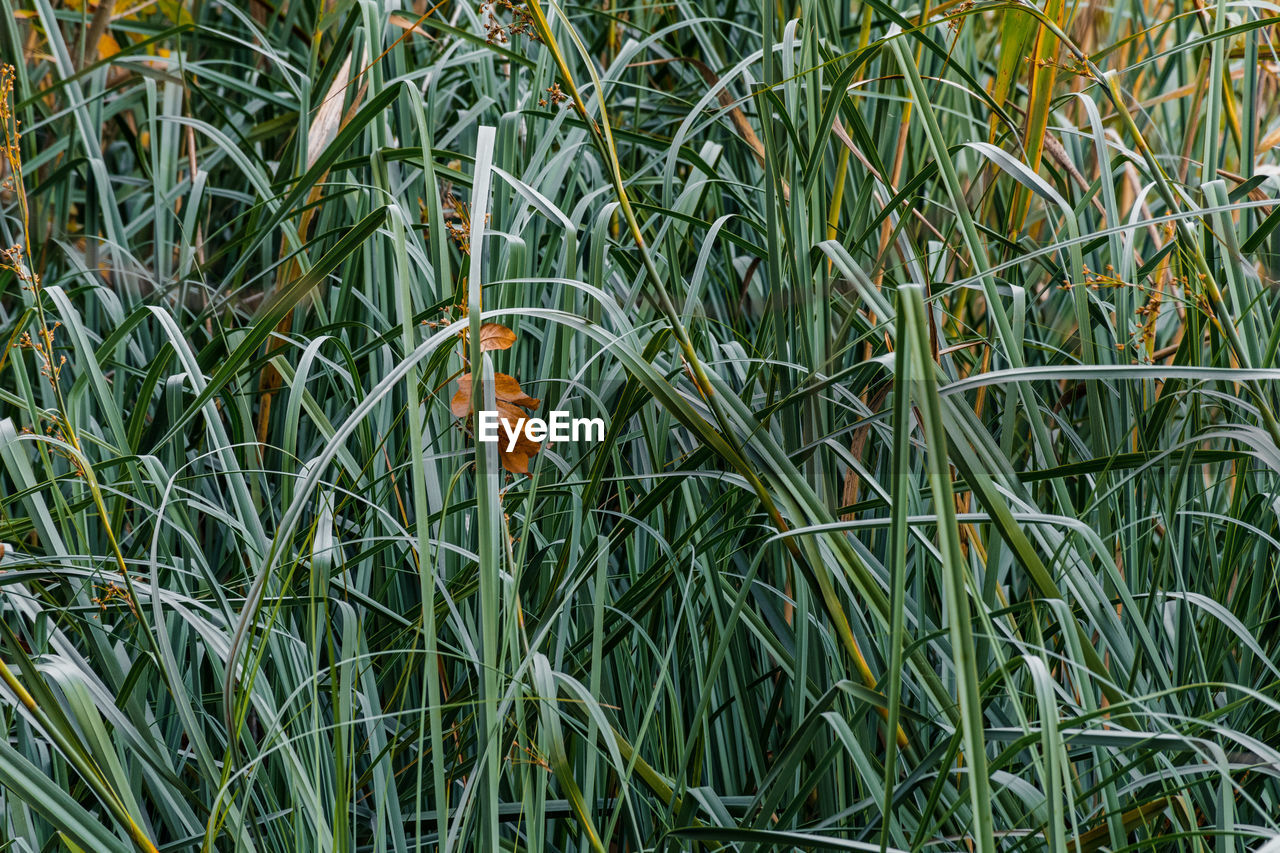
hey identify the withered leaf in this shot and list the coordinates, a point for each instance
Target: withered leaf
(505, 389)
(515, 462)
(512, 419)
(325, 125)
(496, 336)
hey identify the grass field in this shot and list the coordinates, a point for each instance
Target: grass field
(938, 506)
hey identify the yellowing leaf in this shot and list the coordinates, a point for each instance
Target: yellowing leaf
(107, 46)
(175, 11)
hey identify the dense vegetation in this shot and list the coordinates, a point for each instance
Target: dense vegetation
(938, 505)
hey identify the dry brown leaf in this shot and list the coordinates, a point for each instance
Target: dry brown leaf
(496, 336)
(511, 402)
(505, 390)
(512, 420)
(516, 463)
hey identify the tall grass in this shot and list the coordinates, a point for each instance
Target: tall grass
(937, 346)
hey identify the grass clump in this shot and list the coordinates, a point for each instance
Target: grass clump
(937, 507)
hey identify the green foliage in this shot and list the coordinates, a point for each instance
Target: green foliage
(938, 505)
